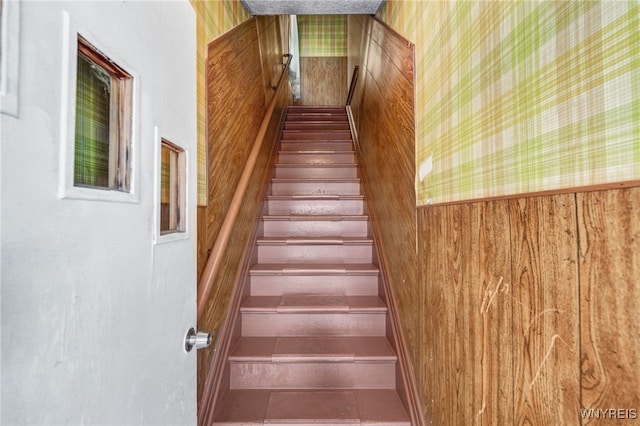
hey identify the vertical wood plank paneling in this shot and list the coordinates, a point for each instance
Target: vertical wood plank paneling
(387, 140)
(487, 316)
(234, 89)
(359, 39)
(609, 261)
(546, 315)
(271, 52)
(430, 242)
(442, 345)
(323, 81)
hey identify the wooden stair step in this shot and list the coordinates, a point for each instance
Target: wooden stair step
(317, 407)
(317, 145)
(279, 284)
(289, 316)
(320, 109)
(305, 253)
(326, 204)
(314, 269)
(324, 240)
(317, 171)
(311, 303)
(315, 225)
(313, 362)
(316, 125)
(315, 249)
(317, 156)
(331, 135)
(315, 348)
(308, 117)
(302, 186)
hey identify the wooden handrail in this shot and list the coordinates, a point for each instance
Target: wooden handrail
(352, 86)
(219, 247)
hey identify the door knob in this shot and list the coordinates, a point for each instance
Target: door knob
(198, 340)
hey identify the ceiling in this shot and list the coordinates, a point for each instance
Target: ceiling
(312, 7)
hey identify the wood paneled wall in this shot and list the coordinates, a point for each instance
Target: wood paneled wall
(237, 102)
(515, 311)
(271, 53)
(235, 107)
(323, 81)
(531, 308)
(386, 144)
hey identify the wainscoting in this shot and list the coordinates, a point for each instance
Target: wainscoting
(530, 307)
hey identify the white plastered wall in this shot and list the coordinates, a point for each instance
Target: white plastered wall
(94, 308)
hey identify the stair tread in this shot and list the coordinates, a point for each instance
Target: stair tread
(304, 303)
(322, 121)
(315, 197)
(325, 240)
(304, 407)
(317, 131)
(327, 165)
(314, 268)
(316, 179)
(322, 147)
(344, 133)
(316, 125)
(313, 349)
(309, 152)
(317, 109)
(316, 217)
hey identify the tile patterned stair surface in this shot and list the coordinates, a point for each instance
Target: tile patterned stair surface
(313, 348)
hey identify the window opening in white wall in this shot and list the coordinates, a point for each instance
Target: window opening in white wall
(103, 122)
(172, 188)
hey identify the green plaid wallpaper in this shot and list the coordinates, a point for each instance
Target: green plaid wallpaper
(518, 97)
(322, 35)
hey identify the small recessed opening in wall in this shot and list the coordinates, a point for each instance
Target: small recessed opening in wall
(103, 122)
(172, 188)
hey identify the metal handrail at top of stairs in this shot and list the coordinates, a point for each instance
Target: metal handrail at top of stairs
(214, 261)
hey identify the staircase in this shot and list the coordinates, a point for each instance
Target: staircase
(313, 346)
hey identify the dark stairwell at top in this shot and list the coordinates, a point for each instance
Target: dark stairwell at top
(314, 346)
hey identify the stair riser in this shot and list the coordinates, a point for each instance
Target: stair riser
(327, 207)
(310, 228)
(262, 375)
(281, 324)
(315, 253)
(313, 188)
(307, 109)
(312, 172)
(308, 117)
(316, 127)
(288, 146)
(328, 135)
(348, 285)
(336, 157)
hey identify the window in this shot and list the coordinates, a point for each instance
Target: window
(102, 122)
(172, 188)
